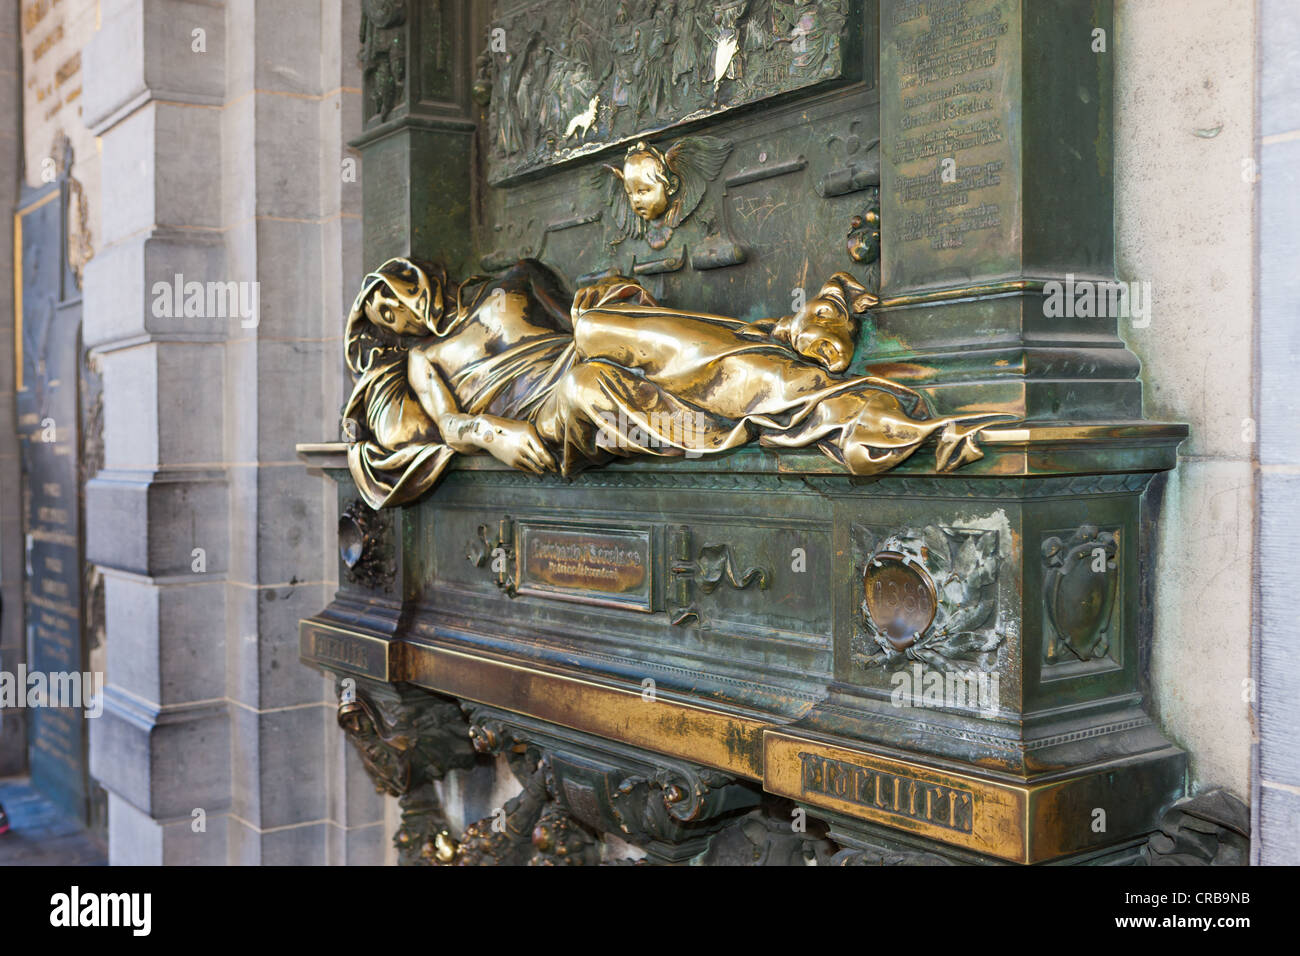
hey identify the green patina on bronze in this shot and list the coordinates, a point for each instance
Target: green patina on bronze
(757, 626)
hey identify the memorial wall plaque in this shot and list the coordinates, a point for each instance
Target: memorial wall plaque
(893, 641)
(50, 399)
(601, 566)
(951, 167)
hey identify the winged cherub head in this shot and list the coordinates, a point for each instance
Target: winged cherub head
(661, 188)
(648, 181)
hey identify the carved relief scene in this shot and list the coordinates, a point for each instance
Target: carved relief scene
(578, 76)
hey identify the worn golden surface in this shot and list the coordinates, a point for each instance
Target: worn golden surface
(444, 847)
(513, 367)
(714, 737)
(1000, 815)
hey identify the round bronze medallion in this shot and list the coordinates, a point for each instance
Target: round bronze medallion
(900, 598)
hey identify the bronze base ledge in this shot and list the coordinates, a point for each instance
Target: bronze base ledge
(1029, 820)
(1017, 449)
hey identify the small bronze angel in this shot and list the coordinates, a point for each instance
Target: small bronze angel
(662, 189)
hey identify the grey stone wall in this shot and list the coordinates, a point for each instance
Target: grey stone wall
(1184, 222)
(1276, 778)
(222, 130)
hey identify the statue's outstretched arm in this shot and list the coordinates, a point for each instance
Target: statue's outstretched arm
(514, 442)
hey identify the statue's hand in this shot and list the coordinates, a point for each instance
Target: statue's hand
(610, 289)
(515, 443)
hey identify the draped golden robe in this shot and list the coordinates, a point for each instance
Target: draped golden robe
(618, 376)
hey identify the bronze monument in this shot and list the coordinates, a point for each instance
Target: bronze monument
(749, 501)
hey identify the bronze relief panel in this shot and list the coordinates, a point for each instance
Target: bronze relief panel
(565, 79)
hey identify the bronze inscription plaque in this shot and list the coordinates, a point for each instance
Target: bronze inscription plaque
(344, 650)
(950, 155)
(891, 793)
(607, 567)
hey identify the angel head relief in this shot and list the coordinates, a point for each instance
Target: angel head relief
(659, 190)
(647, 181)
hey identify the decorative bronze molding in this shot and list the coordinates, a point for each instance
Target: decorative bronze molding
(863, 240)
(586, 787)
(495, 551)
(1080, 584)
(1210, 829)
(406, 743)
(771, 836)
(383, 53)
(871, 856)
(712, 566)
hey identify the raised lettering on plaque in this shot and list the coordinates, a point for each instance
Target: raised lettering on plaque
(607, 567)
(950, 163)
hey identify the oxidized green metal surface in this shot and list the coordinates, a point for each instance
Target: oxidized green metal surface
(947, 664)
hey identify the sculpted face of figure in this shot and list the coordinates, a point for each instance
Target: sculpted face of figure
(823, 332)
(646, 183)
(384, 309)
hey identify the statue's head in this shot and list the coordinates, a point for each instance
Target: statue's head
(402, 297)
(648, 181)
(823, 333)
(825, 329)
(388, 311)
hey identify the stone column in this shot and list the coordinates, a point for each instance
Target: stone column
(222, 130)
(157, 522)
(1276, 798)
(293, 204)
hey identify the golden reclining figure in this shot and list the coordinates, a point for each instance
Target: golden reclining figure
(545, 382)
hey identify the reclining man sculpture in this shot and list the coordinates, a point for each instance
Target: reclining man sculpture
(512, 366)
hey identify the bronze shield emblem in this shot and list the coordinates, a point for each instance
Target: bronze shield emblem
(1079, 594)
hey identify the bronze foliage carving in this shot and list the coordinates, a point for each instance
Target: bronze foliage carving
(405, 745)
(928, 596)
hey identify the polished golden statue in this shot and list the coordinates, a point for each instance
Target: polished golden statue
(547, 382)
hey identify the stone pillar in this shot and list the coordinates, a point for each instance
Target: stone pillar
(418, 117)
(13, 732)
(1276, 785)
(156, 515)
(222, 131)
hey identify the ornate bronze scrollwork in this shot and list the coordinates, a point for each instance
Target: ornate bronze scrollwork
(405, 744)
(715, 564)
